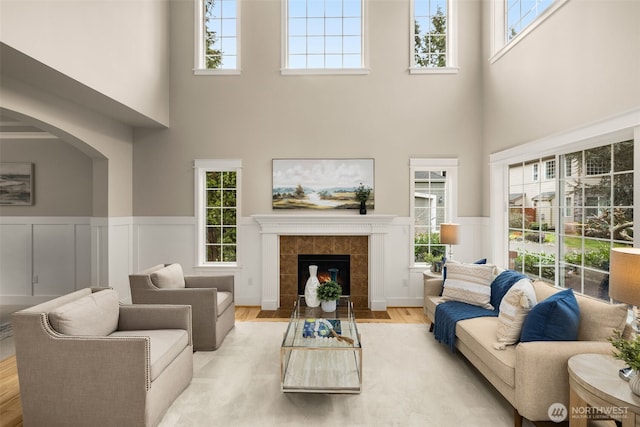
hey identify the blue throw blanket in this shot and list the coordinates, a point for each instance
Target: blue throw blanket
(450, 312)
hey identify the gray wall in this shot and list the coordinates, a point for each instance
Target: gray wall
(117, 48)
(62, 178)
(387, 115)
(579, 66)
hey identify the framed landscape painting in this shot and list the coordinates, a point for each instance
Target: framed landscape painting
(16, 183)
(321, 183)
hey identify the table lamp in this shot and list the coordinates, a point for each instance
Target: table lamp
(449, 235)
(624, 283)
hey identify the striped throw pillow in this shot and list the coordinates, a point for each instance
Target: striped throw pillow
(469, 283)
(514, 308)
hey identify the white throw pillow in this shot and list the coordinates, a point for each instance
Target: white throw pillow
(469, 283)
(95, 314)
(515, 306)
(170, 276)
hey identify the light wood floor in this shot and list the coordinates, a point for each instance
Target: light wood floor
(396, 315)
(11, 409)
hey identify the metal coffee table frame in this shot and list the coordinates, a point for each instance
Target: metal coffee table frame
(321, 365)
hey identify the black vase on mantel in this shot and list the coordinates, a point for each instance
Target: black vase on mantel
(363, 207)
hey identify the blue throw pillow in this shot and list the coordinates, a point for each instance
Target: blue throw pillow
(501, 285)
(554, 319)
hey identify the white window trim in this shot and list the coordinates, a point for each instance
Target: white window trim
(199, 68)
(200, 167)
(623, 127)
(452, 42)
(284, 57)
(498, 16)
(450, 165)
(546, 169)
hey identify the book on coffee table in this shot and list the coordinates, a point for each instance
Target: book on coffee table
(320, 328)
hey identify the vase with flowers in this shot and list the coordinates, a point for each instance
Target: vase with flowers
(362, 195)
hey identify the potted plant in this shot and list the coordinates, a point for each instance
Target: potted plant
(328, 293)
(430, 258)
(629, 352)
(437, 262)
(362, 195)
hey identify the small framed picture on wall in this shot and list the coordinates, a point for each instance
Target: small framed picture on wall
(16, 183)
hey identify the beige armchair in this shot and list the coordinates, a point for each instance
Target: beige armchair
(85, 360)
(211, 299)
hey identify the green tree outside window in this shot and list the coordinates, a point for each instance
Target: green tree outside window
(221, 224)
(430, 49)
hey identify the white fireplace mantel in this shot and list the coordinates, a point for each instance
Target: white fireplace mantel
(274, 225)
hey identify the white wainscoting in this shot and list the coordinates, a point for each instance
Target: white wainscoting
(41, 258)
(68, 253)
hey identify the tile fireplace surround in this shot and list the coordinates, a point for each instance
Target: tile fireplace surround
(357, 247)
(272, 227)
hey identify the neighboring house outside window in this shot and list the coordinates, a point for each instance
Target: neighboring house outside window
(432, 184)
(567, 239)
(601, 215)
(550, 169)
(217, 184)
(322, 36)
(568, 167)
(433, 47)
(531, 216)
(217, 24)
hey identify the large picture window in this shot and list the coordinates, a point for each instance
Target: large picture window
(217, 211)
(566, 238)
(598, 206)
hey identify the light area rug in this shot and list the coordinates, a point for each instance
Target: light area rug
(408, 380)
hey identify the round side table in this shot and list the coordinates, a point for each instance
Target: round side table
(428, 274)
(597, 392)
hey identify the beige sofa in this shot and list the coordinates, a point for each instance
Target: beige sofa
(85, 360)
(531, 375)
(211, 298)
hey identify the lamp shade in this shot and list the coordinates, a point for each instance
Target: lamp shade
(449, 234)
(624, 275)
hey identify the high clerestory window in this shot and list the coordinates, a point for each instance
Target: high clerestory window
(432, 36)
(512, 20)
(521, 13)
(323, 36)
(217, 24)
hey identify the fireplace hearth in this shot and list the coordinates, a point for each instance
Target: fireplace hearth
(339, 263)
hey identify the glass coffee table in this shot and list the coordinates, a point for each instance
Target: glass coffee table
(321, 352)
